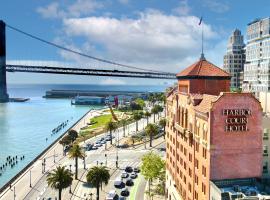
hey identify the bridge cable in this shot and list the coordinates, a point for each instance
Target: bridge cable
(82, 54)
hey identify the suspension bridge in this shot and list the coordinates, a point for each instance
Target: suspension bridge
(12, 68)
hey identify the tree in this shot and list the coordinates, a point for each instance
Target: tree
(98, 175)
(111, 126)
(162, 123)
(152, 167)
(66, 140)
(137, 116)
(151, 130)
(140, 102)
(76, 152)
(73, 134)
(59, 179)
(154, 111)
(124, 123)
(147, 115)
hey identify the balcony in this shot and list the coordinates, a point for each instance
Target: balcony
(179, 128)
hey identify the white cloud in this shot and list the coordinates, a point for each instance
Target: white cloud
(110, 81)
(183, 8)
(77, 9)
(152, 40)
(50, 11)
(216, 6)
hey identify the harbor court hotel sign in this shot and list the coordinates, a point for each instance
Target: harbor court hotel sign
(236, 119)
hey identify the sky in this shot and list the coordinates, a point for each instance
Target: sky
(153, 34)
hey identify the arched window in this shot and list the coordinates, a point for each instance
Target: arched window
(205, 129)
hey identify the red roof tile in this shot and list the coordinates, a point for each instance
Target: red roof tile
(203, 68)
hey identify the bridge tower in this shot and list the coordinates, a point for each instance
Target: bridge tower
(3, 81)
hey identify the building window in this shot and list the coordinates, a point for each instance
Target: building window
(197, 146)
(203, 188)
(196, 196)
(266, 134)
(204, 170)
(196, 179)
(189, 187)
(204, 152)
(190, 172)
(197, 163)
(190, 157)
(205, 132)
(185, 151)
(265, 150)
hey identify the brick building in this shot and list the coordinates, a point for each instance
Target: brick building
(211, 134)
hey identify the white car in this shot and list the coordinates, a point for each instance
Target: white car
(112, 195)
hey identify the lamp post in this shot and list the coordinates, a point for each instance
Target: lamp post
(70, 184)
(106, 160)
(54, 155)
(84, 164)
(14, 193)
(44, 164)
(91, 194)
(30, 178)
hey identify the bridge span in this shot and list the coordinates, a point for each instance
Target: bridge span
(89, 72)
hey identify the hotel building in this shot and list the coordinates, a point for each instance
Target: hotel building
(234, 59)
(257, 66)
(213, 136)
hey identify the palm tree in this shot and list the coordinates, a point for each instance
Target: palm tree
(111, 126)
(154, 111)
(76, 152)
(160, 109)
(124, 123)
(147, 114)
(162, 123)
(59, 179)
(151, 130)
(98, 175)
(137, 116)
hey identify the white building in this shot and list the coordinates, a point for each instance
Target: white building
(234, 59)
(257, 66)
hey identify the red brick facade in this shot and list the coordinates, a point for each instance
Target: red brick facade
(199, 147)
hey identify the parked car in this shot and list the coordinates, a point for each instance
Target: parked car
(124, 192)
(128, 169)
(124, 175)
(118, 183)
(137, 169)
(112, 195)
(123, 146)
(122, 198)
(129, 182)
(133, 175)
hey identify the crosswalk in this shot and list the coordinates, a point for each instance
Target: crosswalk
(83, 191)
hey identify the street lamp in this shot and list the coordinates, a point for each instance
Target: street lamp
(71, 183)
(14, 194)
(44, 164)
(84, 164)
(54, 155)
(106, 159)
(30, 178)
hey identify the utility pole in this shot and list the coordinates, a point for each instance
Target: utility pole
(3, 80)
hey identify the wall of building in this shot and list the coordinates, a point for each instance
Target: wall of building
(236, 154)
(264, 98)
(204, 86)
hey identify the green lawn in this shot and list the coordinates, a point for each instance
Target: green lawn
(100, 121)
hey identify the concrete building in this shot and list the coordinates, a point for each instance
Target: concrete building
(234, 60)
(257, 66)
(212, 134)
(266, 146)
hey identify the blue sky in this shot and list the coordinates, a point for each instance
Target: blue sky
(157, 34)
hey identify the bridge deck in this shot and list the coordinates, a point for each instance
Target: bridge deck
(89, 72)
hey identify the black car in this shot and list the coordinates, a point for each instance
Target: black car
(128, 169)
(124, 192)
(137, 169)
(122, 198)
(129, 182)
